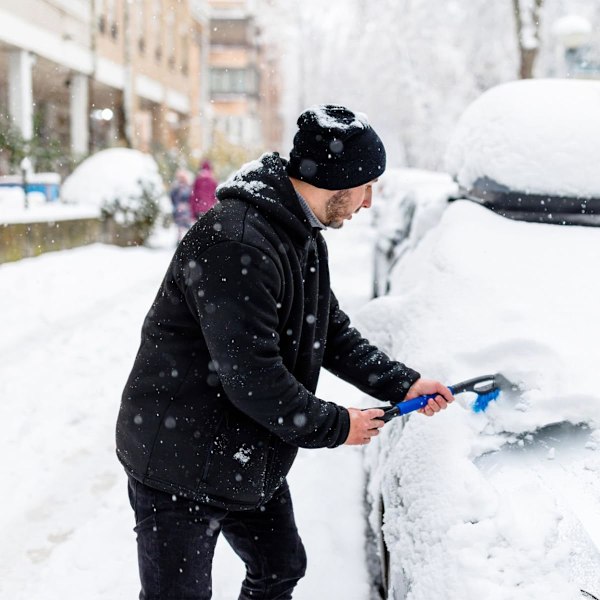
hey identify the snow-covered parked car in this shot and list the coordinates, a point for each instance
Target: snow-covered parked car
(408, 202)
(503, 503)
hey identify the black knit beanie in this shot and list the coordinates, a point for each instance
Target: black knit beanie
(335, 149)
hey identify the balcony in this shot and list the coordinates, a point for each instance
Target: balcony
(200, 11)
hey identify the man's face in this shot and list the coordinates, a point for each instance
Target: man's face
(343, 204)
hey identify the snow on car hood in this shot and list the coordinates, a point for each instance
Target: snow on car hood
(533, 136)
(482, 294)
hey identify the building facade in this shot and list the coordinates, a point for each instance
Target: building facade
(149, 54)
(100, 73)
(154, 75)
(244, 82)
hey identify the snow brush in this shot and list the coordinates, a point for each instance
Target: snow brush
(487, 388)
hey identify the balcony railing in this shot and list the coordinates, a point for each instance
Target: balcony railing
(199, 10)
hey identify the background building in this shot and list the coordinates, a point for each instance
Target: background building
(244, 83)
(88, 74)
(162, 76)
(45, 62)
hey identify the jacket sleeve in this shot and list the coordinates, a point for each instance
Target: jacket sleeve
(233, 291)
(352, 358)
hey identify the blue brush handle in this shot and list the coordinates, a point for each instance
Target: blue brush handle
(409, 406)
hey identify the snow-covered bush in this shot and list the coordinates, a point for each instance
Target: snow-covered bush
(124, 184)
(139, 210)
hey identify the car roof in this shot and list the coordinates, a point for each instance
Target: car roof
(532, 137)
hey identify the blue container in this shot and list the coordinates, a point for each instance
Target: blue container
(46, 183)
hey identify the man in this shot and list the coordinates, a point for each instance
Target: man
(222, 392)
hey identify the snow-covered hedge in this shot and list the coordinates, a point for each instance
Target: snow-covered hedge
(124, 184)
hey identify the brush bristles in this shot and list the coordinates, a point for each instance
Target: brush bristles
(482, 400)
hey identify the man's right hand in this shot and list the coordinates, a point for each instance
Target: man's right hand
(364, 425)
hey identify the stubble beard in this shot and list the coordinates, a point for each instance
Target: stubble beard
(336, 209)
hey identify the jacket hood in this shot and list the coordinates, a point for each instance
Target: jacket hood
(264, 184)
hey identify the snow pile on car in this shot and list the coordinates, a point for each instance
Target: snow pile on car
(493, 138)
(484, 294)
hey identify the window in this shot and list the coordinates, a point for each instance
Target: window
(235, 81)
(111, 19)
(185, 52)
(101, 16)
(157, 28)
(170, 33)
(140, 19)
(229, 32)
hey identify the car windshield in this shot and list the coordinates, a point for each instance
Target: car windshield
(539, 208)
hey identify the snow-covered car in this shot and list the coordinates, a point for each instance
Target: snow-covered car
(503, 503)
(406, 199)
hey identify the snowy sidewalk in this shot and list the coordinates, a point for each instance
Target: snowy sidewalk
(70, 329)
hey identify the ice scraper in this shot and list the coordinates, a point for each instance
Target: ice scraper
(487, 388)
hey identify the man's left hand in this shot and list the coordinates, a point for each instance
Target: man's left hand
(429, 386)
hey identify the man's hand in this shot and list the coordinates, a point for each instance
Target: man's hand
(364, 425)
(429, 386)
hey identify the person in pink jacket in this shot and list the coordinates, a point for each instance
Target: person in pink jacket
(203, 195)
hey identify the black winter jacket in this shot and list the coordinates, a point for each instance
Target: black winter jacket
(221, 393)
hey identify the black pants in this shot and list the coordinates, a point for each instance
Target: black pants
(176, 541)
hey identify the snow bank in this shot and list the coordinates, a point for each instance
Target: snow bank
(116, 173)
(482, 294)
(110, 174)
(535, 136)
(12, 208)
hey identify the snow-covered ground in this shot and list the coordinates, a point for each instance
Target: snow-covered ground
(13, 210)
(70, 324)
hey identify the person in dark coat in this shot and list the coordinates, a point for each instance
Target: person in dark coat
(180, 200)
(203, 193)
(222, 392)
